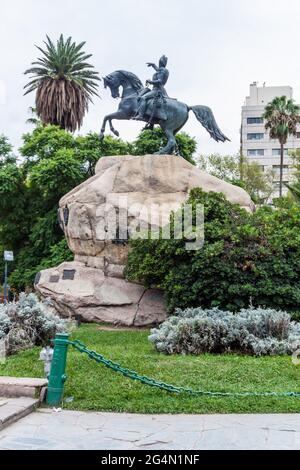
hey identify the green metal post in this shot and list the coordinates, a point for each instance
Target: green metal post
(58, 376)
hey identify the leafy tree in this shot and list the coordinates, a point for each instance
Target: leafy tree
(89, 148)
(51, 179)
(282, 117)
(14, 219)
(44, 142)
(295, 155)
(64, 83)
(5, 149)
(13, 204)
(151, 141)
(294, 186)
(248, 175)
(45, 233)
(246, 259)
(225, 167)
(27, 264)
(54, 162)
(258, 183)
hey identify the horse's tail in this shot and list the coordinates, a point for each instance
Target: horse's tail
(207, 119)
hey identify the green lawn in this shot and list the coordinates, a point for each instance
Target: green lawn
(96, 388)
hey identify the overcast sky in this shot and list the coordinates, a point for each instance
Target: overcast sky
(215, 49)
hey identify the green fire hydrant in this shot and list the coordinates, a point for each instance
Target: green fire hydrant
(58, 376)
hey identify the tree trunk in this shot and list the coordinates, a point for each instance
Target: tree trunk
(281, 169)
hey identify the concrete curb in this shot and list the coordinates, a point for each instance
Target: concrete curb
(11, 387)
(19, 397)
(13, 409)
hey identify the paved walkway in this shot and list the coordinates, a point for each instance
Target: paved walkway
(46, 429)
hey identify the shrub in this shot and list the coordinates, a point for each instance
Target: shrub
(4, 324)
(27, 268)
(247, 259)
(253, 331)
(28, 322)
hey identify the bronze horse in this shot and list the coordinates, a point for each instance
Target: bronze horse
(177, 113)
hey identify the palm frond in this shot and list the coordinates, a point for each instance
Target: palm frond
(295, 192)
(282, 117)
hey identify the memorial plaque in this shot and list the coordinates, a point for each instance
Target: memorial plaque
(54, 279)
(66, 216)
(59, 220)
(69, 274)
(37, 279)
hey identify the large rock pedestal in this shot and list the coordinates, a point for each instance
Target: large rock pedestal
(95, 297)
(93, 286)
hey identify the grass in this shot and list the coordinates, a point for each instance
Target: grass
(96, 388)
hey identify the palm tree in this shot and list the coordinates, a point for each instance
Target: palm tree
(64, 83)
(282, 117)
(295, 191)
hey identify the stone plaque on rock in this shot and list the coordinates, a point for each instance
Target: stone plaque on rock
(69, 274)
(66, 216)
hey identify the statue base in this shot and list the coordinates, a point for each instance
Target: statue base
(93, 287)
(86, 293)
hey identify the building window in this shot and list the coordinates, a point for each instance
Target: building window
(256, 153)
(255, 136)
(255, 120)
(276, 168)
(298, 135)
(277, 152)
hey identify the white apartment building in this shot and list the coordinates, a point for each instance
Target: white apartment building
(256, 144)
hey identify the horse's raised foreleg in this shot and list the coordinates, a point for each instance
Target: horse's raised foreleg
(114, 131)
(119, 115)
(102, 132)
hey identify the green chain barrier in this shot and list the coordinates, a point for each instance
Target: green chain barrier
(58, 377)
(130, 374)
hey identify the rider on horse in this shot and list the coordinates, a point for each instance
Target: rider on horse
(155, 107)
(158, 94)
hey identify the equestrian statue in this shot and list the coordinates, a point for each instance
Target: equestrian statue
(155, 106)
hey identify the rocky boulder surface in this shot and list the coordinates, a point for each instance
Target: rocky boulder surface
(126, 194)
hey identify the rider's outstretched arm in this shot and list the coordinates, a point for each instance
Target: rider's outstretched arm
(150, 64)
